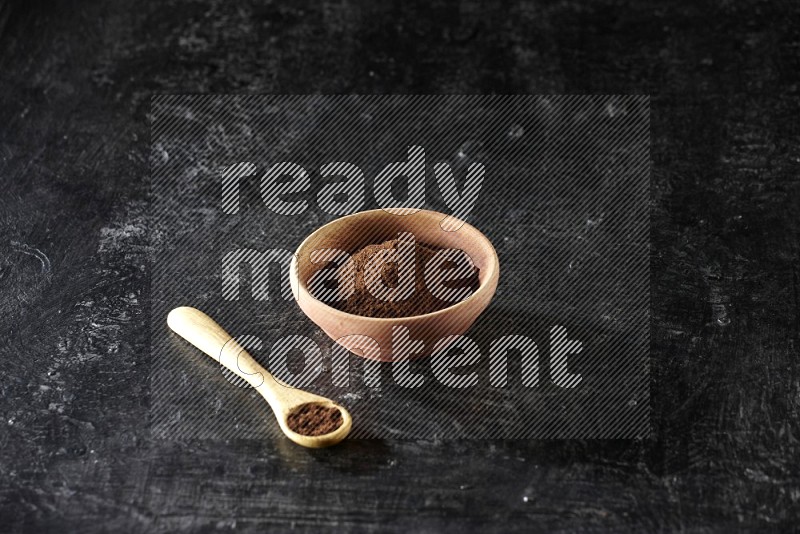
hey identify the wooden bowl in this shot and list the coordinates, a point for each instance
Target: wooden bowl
(355, 231)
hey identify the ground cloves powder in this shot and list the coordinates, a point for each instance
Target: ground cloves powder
(313, 419)
(420, 302)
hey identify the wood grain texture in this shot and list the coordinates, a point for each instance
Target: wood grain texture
(75, 450)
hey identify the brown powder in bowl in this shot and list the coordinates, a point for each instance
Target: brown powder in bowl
(312, 419)
(421, 301)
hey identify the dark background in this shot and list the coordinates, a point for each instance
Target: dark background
(75, 449)
(573, 163)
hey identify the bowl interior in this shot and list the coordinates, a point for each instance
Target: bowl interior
(353, 232)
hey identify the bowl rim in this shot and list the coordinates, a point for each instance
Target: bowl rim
(494, 270)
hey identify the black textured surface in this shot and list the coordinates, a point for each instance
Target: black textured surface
(76, 82)
(565, 204)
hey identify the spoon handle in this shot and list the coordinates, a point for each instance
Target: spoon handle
(204, 333)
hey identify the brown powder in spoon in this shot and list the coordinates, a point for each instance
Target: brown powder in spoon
(313, 419)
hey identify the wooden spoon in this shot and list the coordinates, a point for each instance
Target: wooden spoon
(202, 332)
